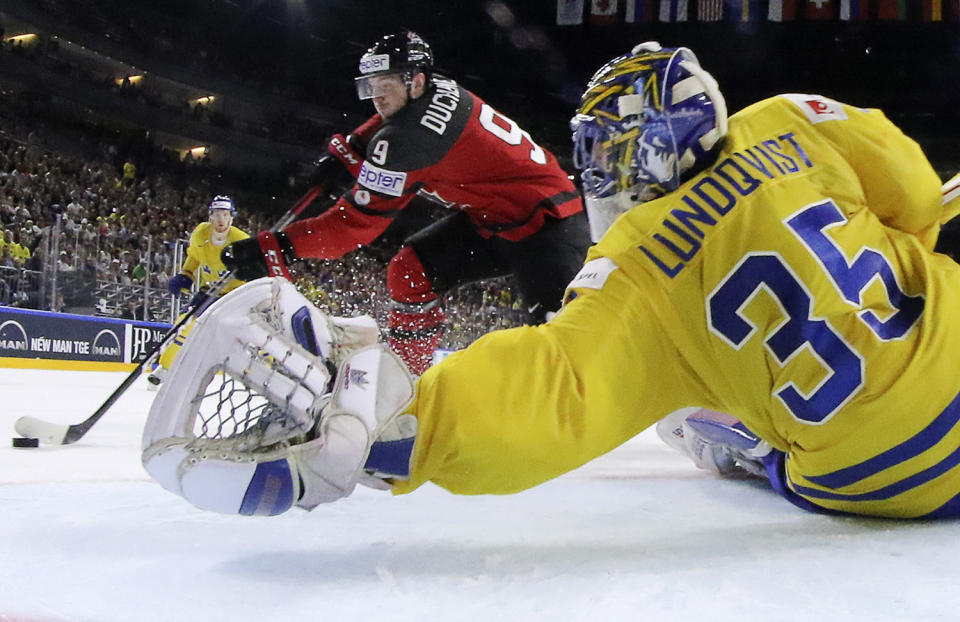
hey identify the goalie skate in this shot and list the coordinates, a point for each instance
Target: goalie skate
(716, 442)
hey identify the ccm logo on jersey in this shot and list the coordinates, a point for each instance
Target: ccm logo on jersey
(381, 180)
(817, 108)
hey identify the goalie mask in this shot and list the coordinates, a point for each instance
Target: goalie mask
(646, 120)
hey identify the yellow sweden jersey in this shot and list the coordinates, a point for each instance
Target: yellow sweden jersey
(791, 284)
(203, 262)
(203, 256)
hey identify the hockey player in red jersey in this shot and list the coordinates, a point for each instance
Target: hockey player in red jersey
(513, 209)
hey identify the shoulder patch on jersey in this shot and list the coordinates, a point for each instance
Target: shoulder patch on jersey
(382, 180)
(817, 108)
(593, 274)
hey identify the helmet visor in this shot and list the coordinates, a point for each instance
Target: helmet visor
(380, 85)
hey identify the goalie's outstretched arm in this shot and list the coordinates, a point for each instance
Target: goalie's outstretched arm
(521, 406)
(484, 421)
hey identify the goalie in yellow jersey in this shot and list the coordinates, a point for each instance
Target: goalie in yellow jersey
(202, 266)
(777, 266)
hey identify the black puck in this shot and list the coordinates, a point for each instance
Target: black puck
(25, 441)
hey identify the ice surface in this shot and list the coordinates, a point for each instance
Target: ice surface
(638, 534)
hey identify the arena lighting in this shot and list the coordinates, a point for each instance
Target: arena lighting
(203, 101)
(130, 80)
(197, 152)
(24, 38)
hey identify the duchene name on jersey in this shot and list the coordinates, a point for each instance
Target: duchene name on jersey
(716, 194)
(442, 104)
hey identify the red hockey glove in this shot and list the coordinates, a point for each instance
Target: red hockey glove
(266, 255)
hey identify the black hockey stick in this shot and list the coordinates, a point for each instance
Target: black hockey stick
(62, 434)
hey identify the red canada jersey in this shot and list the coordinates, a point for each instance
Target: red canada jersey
(452, 146)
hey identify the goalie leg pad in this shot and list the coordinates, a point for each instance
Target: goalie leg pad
(716, 442)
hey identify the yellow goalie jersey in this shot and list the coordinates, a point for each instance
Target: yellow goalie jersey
(791, 284)
(203, 256)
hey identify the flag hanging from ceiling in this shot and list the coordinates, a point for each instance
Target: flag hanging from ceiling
(932, 10)
(639, 11)
(782, 10)
(892, 9)
(673, 10)
(951, 10)
(569, 12)
(818, 9)
(854, 10)
(603, 12)
(710, 10)
(746, 10)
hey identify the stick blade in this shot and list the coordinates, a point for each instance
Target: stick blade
(48, 433)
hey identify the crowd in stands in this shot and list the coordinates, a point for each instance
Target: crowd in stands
(109, 218)
(119, 228)
(357, 285)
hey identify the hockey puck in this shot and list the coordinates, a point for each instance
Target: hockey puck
(25, 441)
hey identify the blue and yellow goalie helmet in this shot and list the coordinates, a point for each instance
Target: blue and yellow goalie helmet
(645, 119)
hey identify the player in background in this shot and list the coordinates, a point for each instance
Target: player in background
(777, 266)
(513, 210)
(203, 265)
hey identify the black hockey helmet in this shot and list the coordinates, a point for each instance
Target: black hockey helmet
(403, 53)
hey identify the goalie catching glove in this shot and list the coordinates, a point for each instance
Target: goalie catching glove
(273, 404)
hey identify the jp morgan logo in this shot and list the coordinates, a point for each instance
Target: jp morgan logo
(140, 341)
(106, 343)
(13, 337)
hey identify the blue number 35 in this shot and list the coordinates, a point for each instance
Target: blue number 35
(801, 330)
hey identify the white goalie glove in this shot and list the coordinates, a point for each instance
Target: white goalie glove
(271, 404)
